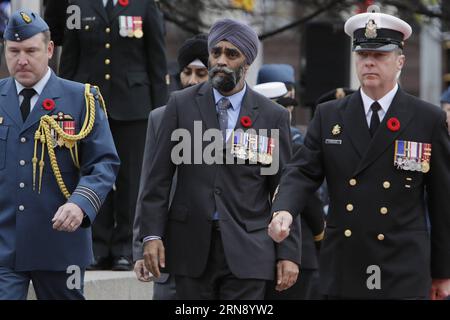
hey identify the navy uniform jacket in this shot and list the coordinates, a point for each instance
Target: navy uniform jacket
(27, 239)
(239, 193)
(377, 212)
(129, 71)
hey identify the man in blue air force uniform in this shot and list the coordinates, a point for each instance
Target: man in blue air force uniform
(44, 221)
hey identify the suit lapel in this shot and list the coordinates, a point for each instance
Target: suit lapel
(206, 105)
(248, 108)
(51, 91)
(9, 102)
(355, 124)
(100, 8)
(384, 137)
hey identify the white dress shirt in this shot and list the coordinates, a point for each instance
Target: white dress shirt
(38, 87)
(384, 102)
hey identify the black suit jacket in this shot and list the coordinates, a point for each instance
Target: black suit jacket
(396, 241)
(238, 192)
(136, 67)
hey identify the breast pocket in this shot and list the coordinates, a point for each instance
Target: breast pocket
(88, 33)
(3, 141)
(139, 85)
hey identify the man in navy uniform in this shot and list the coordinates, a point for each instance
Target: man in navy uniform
(120, 48)
(51, 188)
(214, 233)
(379, 150)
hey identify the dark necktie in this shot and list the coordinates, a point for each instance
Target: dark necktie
(222, 107)
(375, 120)
(25, 106)
(109, 8)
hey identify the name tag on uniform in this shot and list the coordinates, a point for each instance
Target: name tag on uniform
(333, 141)
(412, 156)
(88, 19)
(1, 120)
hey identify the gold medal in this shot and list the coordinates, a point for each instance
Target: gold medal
(138, 33)
(425, 166)
(130, 33)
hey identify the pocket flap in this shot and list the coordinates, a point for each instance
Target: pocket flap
(256, 225)
(3, 132)
(137, 78)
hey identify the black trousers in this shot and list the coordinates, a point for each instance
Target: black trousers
(112, 231)
(306, 288)
(217, 282)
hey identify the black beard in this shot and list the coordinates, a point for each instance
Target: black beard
(226, 82)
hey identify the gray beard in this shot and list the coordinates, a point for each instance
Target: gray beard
(227, 82)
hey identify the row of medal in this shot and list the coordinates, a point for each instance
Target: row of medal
(252, 147)
(131, 26)
(412, 156)
(66, 122)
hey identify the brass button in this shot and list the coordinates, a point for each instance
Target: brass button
(383, 210)
(348, 233)
(107, 61)
(86, 27)
(108, 30)
(386, 184)
(349, 207)
(352, 182)
(107, 76)
(380, 237)
(107, 46)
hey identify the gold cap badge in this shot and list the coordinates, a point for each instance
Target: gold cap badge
(371, 29)
(25, 17)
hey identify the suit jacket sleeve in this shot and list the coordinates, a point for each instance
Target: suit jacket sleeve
(99, 164)
(290, 249)
(438, 186)
(149, 151)
(156, 55)
(70, 54)
(302, 177)
(153, 198)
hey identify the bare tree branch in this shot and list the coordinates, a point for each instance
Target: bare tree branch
(302, 20)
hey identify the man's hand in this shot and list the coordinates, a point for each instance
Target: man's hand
(279, 226)
(440, 289)
(154, 256)
(287, 273)
(68, 217)
(141, 271)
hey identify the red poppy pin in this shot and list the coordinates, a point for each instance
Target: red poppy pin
(246, 121)
(48, 104)
(123, 3)
(393, 124)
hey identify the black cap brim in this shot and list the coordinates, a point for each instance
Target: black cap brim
(375, 47)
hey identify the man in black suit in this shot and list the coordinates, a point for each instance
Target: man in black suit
(192, 66)
(379, 149)
(120, 48)
(214, 234)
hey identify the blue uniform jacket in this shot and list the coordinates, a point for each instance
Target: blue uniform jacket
(27, 239)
